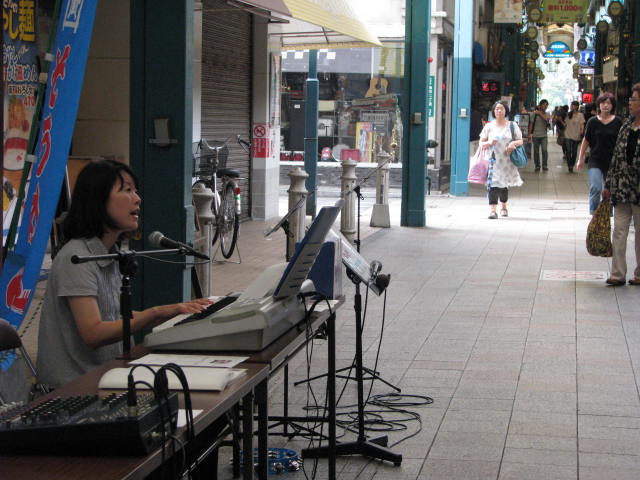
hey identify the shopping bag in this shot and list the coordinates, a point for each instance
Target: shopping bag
(478, 167)
(518, 156)
(599, 231)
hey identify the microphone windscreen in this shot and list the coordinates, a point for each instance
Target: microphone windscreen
(155, 238)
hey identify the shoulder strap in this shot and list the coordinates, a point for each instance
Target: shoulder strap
(512, 131)
(533, 126)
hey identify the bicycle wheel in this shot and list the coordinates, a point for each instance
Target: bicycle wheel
(228, 222)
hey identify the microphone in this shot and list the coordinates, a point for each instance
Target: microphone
(374, 268)
(157, 239)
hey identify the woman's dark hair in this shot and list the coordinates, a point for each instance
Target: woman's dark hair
(636, 88)
(504, 104)
(603, 97)
(576, 103)
(87, 216)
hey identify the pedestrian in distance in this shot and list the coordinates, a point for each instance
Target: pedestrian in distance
(573, 133)
(600, 135)
(538, 126)
(622, 185)
(496, 135)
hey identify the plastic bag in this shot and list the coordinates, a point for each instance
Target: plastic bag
(478, 167)
(599, 232)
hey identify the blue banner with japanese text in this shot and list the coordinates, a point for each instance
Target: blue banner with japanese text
(59, 111)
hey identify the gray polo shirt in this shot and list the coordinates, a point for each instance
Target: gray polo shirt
(539, 126)
(62, 354)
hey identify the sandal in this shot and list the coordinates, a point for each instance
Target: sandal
(504, 212)
(615, 283)
(634, 281)
(493, 215)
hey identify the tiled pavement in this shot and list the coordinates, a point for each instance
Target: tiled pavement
(531, 361)
(532, 365)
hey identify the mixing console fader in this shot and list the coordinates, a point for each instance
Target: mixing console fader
(87, 425)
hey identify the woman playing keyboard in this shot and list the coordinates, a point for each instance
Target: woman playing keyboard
(80, 324)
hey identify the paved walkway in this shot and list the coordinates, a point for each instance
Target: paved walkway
(531, 361)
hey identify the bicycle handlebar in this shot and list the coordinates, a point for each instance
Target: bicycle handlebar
(246, 146)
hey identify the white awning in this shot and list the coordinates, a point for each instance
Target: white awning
(317, 24)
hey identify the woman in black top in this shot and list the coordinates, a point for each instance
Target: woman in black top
(623, 186)
(600, 136)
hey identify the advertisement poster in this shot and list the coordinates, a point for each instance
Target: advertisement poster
(507, 11)
(565, 11)
(364, 140)
(21, 82)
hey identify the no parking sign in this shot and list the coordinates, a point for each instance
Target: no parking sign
(261, 141)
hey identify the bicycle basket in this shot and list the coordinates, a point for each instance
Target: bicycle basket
(209, 157)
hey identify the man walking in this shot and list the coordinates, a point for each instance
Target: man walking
(538, 134)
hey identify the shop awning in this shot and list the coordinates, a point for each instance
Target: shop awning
(323, 24)
(276, 6)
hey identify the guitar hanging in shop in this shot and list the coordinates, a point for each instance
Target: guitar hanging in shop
(377, 86)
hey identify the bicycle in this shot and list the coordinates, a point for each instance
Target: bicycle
(209, 166)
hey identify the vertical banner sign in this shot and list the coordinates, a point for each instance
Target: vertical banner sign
(59, 110)
(430, 96)
(20, 66)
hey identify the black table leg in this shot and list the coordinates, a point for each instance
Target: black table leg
(263, 429)
(331, 393)
(247, 436)
(235, 415)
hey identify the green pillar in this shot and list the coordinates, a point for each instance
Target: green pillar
(161, 79)
(414, 154)
(311, 131)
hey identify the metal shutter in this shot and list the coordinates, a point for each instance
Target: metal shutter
(226, 84)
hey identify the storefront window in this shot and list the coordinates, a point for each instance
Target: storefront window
(359, 107)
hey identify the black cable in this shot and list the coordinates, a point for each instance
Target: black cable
(375, 365)
(161, 392)
(192, 463)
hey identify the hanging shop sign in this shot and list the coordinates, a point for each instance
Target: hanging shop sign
(558, 50)
(489, 88)
(62, 96)
(610, 70)
(587, 57)
(565, 11)
(507, 11)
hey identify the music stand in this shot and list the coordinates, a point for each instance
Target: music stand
(359, 271)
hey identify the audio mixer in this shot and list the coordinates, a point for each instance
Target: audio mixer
(87, 425)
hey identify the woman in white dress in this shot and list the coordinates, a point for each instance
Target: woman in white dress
(496, 135)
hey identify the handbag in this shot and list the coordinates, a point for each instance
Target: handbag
(518, 156)
(599, 231)
(478, 167)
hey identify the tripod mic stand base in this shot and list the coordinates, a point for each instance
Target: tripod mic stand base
(373, 448)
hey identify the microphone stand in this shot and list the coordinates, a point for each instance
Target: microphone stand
(128, 267)
(376, 447)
